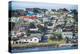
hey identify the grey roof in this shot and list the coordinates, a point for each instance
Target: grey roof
(29, 37)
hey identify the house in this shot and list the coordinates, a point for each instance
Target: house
(50, 25)
(49, 35)
(29, 9)
(22, 27)
(58, 30)
(21, 34)
(60, 20)
(46, 37)
(52, 12)
(39, 15)
(13, 34)
(33, 29)
(14, 19)
(67, 34)
(45, 19)
(28, 17)
(29, 39)
(32, 39)
(30, 14)
(69, 22)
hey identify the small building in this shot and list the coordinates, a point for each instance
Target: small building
(67, 34)
(33, 40)
(59, 30)
(26, 18)
(44, 39)
(33, 29)
(45, 19)
(15, 19)
(29, 39)
(39, 15)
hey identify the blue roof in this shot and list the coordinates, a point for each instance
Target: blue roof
(30, 14)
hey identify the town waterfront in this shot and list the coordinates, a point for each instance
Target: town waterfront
(42, 29)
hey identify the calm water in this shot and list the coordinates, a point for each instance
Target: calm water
(18, 50)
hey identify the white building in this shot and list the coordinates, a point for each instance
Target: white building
(14, 19)
(67, 34)
(33, 40)
(40, 15)
(33, 29)
(45, 20)
(60, 21)
(70, 15)
(58, 30)
(28, 40)
(49, 35)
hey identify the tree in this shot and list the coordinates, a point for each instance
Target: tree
(36, 10)
(57, 36)
(32, 25)
(67, 39)
(75, 14)
(53, 9)
(44, 10)
(64, 9)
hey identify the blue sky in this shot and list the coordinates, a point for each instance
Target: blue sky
(23, 5)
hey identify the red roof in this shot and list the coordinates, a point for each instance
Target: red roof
(29, 17)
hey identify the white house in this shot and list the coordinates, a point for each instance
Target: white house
(33, 29)
(70, 15)
(39, 15)
(33, 40)
(70, 21)
(58, 30)
(18, 34)
(51, 12)
(45, 19)
(21, 40)
(13, 34)
(60, 21)
(28, 40)
(14, 19)
(49, 35)
(67, 34)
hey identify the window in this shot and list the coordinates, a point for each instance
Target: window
(26, 40)
(35, 39)
(30, 39)
(20, 42)
(16, 42)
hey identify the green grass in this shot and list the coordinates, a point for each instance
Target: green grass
(56, 32)
(46, 44)
(56, 42)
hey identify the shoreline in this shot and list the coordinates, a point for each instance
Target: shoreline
(34, 45)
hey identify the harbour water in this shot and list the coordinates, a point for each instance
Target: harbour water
(18, 50)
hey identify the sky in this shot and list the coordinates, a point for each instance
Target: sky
(23, 5)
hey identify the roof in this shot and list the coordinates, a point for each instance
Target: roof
(28, 17)
(29, 37)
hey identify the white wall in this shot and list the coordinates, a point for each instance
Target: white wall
(67, 34)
